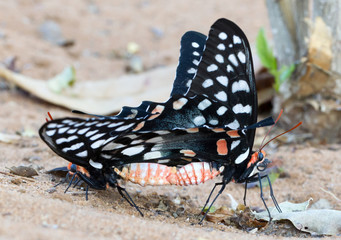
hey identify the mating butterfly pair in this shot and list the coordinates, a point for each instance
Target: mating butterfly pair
(205, 128)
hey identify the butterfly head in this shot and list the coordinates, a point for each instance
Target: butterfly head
(257, 163)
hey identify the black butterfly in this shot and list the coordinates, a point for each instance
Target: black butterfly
(214, 92)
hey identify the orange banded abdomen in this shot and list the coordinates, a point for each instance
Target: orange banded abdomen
(158, 174)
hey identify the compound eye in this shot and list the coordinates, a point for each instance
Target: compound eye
(73, 168)
(260, 156)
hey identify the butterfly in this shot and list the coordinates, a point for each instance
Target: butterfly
(210, 117)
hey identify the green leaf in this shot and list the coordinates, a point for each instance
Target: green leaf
(265, 53)
(63, 80)
(212, 209)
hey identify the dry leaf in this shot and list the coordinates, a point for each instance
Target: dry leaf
(9, 138)
(104, 96)
(23, 171)
(314, 221)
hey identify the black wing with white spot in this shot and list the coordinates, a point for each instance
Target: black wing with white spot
(192, 46)
(222, 93)
(191, 49)
(80, 140)
(226, 76)
(174, 147)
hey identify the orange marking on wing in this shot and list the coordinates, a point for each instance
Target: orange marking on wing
(218, 130)
(233, 133)
(154, 116)
(222, 147)
(83, 171)
(192, 130)
(158, 109)
(139, 126)
(188, 153)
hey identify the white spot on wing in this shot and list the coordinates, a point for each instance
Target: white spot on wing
(50, 132)
(152, 155)
(232, 58)
(195, 53)
(235, 144)
(82, 154)
(242, 157)
(72, 131)
(233, 125)
(102, 124)
(52, 125)
(196, 62)
(90, 133)
(229, 68)
(222, 36)
(113, 146)
(223, 80)
(221, 47)
(221, 110)
(115, 124)
(212, 68)
(204, 104)
(69, 139)
(178, 104)
(221, 96)
(73, 147)
(97, 144)
(240, 85)
(62, 130)
(241, 57)
(82, 131)
(154, 140)
(239, 108)
(199, 120)
(207, 83)
(236, 39)
(195, 44)
(96, 164)
(133, 150)
(97, 136)
(213, 122)
(125, 127)
(219, 58)
(191, 71)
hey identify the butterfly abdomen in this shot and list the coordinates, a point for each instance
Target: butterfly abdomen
(155, 174)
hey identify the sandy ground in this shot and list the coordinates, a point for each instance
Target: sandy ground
(29, 209)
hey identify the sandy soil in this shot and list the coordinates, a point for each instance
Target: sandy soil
(30, 209)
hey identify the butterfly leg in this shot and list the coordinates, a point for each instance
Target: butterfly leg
(209, 196)
(273, 196)
(71, 181)
(220, 192)
(262, 197)
(245, 190)
(87, 193)
(127, 197)
(76, 182)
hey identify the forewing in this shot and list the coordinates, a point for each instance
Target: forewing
(80, 140)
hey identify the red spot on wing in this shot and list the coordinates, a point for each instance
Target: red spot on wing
(139, 126)
(222, 147)
(233, 133)
(188, 153)
(218, 130)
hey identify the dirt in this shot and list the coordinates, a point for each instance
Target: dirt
(30, 208)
